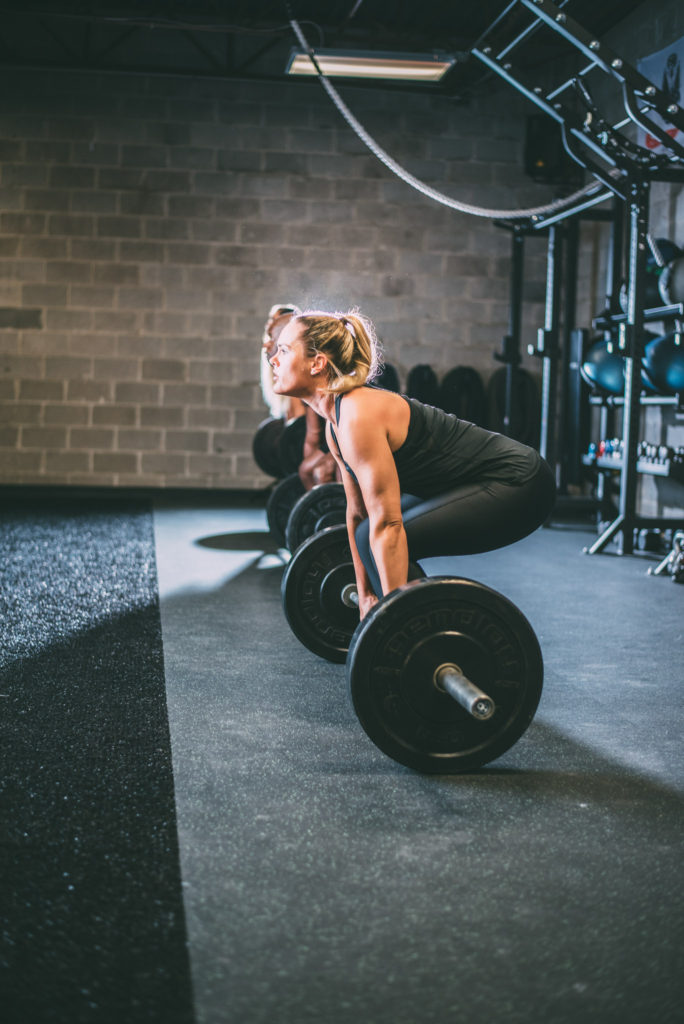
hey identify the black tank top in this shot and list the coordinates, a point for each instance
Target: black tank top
(441, 451)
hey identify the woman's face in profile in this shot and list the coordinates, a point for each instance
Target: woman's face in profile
(274, 329)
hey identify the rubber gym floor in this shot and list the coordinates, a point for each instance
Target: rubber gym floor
(196, 829)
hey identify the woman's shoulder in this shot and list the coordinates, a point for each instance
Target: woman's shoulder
(367, 399)
(369, 412)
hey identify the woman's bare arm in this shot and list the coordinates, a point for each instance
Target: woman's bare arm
(366, 448)
(356, 513)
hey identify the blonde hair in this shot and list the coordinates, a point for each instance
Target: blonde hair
(349, 343)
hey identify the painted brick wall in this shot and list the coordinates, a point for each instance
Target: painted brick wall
(148, 223)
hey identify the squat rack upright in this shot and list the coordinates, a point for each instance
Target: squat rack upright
(624, 168)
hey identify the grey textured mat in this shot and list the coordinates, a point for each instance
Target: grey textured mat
(93, 924)
(323, 882)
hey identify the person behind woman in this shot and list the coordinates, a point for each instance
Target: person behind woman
(419, 482)
(317, 465)
(280, 406)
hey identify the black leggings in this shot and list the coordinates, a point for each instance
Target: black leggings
(469, 519)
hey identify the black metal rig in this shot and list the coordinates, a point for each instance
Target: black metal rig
(626, 170)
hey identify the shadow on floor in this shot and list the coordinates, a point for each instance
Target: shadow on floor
(255, 540)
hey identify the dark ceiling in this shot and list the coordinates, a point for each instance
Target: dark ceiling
(251, 39)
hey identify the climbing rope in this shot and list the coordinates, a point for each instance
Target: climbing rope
(477, 211)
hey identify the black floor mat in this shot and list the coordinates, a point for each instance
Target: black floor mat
(93, 923)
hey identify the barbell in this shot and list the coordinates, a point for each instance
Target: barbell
(291, 444)
(324, 505)
(265, 445)
(281, 501)
(293, 514)
(278, 444)
(445, 674)
(319, 594)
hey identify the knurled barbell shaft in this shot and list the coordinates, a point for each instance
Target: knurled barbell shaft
(477, 703)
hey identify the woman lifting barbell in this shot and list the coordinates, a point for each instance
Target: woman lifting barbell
(419, 482)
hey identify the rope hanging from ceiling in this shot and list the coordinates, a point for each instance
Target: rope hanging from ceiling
(476, 211)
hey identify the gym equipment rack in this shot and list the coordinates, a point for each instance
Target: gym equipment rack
(626, 171)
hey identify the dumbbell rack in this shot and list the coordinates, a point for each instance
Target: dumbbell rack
(608, 464)
(663, 466)
(623, 168)
(666, 468)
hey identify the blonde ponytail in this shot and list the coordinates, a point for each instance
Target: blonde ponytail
(349, 343)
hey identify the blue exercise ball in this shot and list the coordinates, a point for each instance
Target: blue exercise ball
(605, 370)
(663, 361)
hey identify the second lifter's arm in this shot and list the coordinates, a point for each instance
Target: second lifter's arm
(317, 466)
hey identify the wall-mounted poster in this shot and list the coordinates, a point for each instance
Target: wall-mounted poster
(665, 69)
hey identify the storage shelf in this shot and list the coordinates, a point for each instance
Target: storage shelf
(676, 400)
(606, 320)
(674, 470)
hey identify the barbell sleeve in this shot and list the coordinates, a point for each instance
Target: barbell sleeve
(349, 596)
(477, 703)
